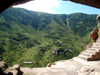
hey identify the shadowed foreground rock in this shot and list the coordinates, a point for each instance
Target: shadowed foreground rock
(15, 70)
(3, 66)
(4, 4)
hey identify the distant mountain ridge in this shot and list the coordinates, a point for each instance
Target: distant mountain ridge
(28, 35)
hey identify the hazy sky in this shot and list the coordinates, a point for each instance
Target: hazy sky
(58, 7)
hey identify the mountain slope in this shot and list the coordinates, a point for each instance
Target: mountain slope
(32, 36)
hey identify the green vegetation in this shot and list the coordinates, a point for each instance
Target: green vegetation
(32, 36)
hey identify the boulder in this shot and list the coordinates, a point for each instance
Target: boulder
(3, 66)
(16, 67)
(13, 72)
(94, 34)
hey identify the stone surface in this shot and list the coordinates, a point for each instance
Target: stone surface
(94, 34)
(92, 52)
(13, 72)
(93, 3)
(48, 71)
(89, 45)
(86, 69)
(97, 73)
(3, 66)
(94, 73)
(49, 65)
(16, 67)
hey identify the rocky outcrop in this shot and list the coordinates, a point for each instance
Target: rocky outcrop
(4, 4)
(93, 3)
(94, 34)
(16, 67)
(3, 66)
(15, 70)
(5, 70)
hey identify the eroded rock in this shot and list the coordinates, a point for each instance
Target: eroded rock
(86, 70)
(3, 66)
(16, 67)
(15, 70)
(94, 34)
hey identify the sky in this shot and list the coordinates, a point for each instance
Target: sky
(58, 7)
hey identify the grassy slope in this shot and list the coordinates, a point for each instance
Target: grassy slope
(32, 36)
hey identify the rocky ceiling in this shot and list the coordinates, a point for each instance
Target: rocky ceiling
(4, 4)
(93, 3)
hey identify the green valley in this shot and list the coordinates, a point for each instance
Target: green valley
(28, 36)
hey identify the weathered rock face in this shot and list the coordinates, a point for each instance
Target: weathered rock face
(15, 70)
(4, 4)
(16, 67)
(93, 3)
(94, 34)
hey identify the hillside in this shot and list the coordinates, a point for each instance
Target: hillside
(32, 36)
